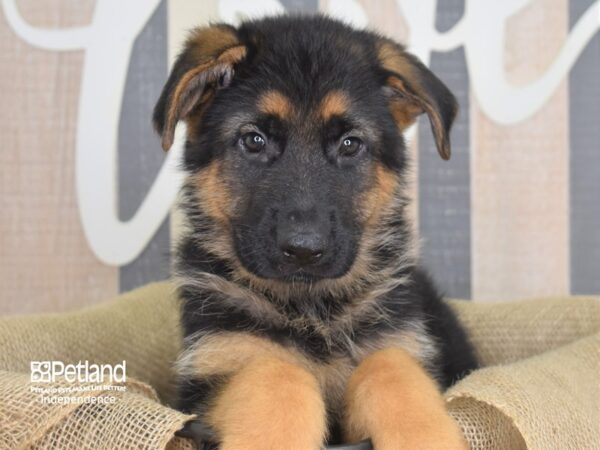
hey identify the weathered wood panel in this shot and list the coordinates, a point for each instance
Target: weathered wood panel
(520, 173)
(45, 261)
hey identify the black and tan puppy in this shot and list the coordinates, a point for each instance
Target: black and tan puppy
(306, 316)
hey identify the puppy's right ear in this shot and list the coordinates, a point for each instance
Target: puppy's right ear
(205, 65)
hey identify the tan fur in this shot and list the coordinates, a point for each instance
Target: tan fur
(406, 109)
(213, 193)
(232, 55)
(270, 404)
(333, 376)
(227, 353)
(392, 58)
(275, 103)
(335, 103)
(404, 112)
(223, 353)
(208, 42)
(377, 199)
(190, 88)
(391, 399)
(220, 245)
(177, 106)
(416, 105)
(417, 342)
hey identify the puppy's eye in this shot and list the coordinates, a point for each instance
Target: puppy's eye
(350, 146)
(253, 142)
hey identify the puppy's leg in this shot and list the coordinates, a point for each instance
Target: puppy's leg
(269, 404)
(392, 400)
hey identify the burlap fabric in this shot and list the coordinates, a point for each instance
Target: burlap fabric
(541, 386)
(540, 389)
(140, 327)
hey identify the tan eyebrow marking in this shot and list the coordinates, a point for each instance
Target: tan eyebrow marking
(335, 103)
(275, 103)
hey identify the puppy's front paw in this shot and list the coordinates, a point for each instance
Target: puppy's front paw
(270, 405)
(391, 399)
(440, 434)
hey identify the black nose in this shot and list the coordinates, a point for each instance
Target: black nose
(303, 248)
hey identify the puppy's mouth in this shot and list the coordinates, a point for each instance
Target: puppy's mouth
(263, 259)
(268, 268)
(301, 276)
(279, 270)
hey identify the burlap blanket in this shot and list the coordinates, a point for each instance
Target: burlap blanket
(540, 388)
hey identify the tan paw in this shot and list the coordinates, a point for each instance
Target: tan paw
(270, 405)
(440, 434)
(393, 400)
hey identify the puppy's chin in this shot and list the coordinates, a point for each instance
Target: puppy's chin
(289, 274)
(301, 276)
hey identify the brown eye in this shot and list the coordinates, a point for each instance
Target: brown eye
(253, 142)
(350, 146)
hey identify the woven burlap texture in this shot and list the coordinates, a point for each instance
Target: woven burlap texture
(539, 389)
(140, 327)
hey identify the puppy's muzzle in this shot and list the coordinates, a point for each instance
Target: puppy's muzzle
(302, 237)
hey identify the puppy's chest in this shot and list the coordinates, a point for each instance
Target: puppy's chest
(333, 354)
(330, 354)
(333, 377)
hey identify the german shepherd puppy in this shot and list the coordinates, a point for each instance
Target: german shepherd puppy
(306, 316)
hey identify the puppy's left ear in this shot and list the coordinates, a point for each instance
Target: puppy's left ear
(205, 65)
(413, 89)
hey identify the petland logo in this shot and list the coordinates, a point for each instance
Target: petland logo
(82, 372)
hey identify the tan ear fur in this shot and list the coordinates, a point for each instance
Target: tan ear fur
(205, 65)
(416, 90)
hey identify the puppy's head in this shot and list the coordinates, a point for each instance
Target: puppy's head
(294, 147)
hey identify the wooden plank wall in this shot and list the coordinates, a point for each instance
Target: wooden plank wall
(512, 215)
(45, 262)
(520, 173)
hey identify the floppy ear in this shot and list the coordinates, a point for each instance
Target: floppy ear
(205, 65)
(413, 89)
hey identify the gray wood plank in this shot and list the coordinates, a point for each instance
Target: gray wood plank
(444, 186)
(584, 137)
(140, 155)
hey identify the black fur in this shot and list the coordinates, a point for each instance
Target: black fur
(301, 172)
